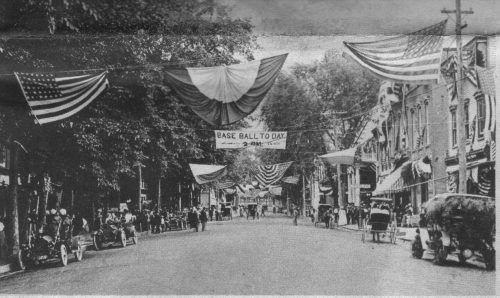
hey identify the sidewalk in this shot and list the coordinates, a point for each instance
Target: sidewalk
(405, 234)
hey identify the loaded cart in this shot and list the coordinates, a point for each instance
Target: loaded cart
(380, 221)
(461, 224)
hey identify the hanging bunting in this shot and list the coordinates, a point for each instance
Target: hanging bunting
(268, 175)
(207, 173)
(223, 95)
(231, 139)
(53, 98)
(412, 58)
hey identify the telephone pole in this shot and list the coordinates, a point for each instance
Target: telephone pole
(462, 158)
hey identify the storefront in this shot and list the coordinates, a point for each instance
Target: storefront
(480, 173)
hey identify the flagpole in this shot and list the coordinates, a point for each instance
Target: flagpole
(462, 159)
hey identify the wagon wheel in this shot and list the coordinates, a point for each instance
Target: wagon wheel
(461, 258)
(489, 258)
(440, 255)
(22, 260)
(79, 253)
(63, 255)
(123, 239)
(97, 242)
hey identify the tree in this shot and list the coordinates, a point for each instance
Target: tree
(138, 120)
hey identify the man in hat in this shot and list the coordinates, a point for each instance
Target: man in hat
(203, 219)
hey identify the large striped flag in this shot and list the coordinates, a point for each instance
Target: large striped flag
(53, 98)
(207, 173)
(409, 58)
(271, 174)
(223, 95)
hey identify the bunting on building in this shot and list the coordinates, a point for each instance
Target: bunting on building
(409, 58)
(207, 173)
(52, 98)
(270, 174)
(223, 95)
(224, 185)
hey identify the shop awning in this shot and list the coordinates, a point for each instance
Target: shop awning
(344, 157)
(207, 173)
(392, 182)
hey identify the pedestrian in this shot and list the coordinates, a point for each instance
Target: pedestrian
(336, 215)
(3, 242)
(203, 219)
(295, 216)
(274, 209)
(313, 212)
(193, 219)
(326, 218)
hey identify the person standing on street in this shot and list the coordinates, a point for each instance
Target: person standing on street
(3, 241)
(193, 219)
(203, 219)
(295, 216)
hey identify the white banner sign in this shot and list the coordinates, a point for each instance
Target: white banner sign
(230, 139)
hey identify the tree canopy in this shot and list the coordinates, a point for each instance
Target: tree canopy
(138, 120)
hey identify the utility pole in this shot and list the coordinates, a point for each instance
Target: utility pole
(462, 158)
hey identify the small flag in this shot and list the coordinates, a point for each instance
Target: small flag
(415, 57)
(53, 98)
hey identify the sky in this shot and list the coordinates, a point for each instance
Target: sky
(355, 17)
(306, 29)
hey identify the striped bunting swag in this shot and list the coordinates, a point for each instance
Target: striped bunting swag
(291, 179)
(272, 173)
(408, 58)
(53, 98)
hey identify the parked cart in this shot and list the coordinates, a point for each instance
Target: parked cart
(461, 224)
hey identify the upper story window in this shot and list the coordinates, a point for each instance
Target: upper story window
(481, 53)
(454, 127)
(426, 121)
(481, 115)
(468, 133)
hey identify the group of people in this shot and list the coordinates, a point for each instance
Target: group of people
(196, 216)
(330, 216)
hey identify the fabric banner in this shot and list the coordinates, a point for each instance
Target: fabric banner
(230, 139)
(223, 95)
(409, 58)
(207, 173)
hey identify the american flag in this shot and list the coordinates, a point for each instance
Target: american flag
(272, 173)
(409, 58)
(53, 98)
(450, 68)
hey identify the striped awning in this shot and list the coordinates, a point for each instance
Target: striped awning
(392, 183)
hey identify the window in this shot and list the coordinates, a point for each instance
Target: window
(414, 133)
(454, 127)
(481, 53)
(419, 126)
(466, 113)
(143, 184)
(426, 121)
(481, 116)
